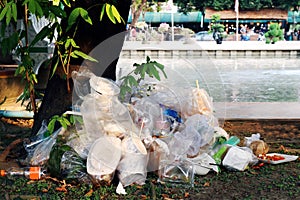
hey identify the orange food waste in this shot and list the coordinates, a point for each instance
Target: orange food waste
(271, 157)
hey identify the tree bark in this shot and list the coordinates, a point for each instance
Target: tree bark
(57, 100)
(136, 12)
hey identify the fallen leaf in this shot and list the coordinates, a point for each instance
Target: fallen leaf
(45, 190)
(61, 189)
(186, 195)
(206, 184)
(89, 193)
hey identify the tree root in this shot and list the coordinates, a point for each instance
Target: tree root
(8, 149)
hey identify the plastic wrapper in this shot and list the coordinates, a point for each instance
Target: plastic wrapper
(41, 153)
(203, 164)
(133, 165)
(197, 134)
(73, 167)
(249, 140)
(80, 142)
(181, 171)
(39, 138)
(102, 106)
(81, 86)
(146, 113)
(258, 146)
(158, 151)
(187, 101)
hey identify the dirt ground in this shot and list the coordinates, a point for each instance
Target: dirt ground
(280, 181)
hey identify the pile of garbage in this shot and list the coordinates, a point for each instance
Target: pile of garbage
(168, 130)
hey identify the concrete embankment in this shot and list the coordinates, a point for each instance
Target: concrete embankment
(210, 48)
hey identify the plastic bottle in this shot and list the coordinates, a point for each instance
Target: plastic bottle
(218, 156)
(32, 173)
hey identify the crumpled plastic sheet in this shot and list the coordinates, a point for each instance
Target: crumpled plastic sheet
(39, 151)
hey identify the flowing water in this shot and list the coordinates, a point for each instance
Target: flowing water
(233, 79)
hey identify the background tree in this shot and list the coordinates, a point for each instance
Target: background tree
(189, 5)
(83, 26)
(87, 37)
(137, 7)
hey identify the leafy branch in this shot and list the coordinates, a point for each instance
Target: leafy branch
(150, 68)
(11, 10)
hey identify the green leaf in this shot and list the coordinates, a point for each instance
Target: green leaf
(3, 12)
(85, 56)
(73, 55)
(14, 11)
(55, 66)
(56, 3)
(34, 78)
(116, 13)
(51, 125)
(85, 15)
(73, 43)
(155, 73)
(8, 16)
(57, 11)
(53, 164)
(161, 67)
(62, 123)
(32, 6)
(67, 43)
(102, 12)
(132, 81)
(73, 17)
(67, 2)
(110, 13)
(41, 35)
(39, 9)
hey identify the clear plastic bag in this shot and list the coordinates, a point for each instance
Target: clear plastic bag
(35, 141)
(196, 134)
(146, 114)
(181, 171)
(102, 106)
(42, 151)
(187, 101)
(73, 167)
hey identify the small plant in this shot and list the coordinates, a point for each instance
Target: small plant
(274, 34)
(150, 68)
(217, 29)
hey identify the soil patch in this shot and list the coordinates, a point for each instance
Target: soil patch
(280, 181)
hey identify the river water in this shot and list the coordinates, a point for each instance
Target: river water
(233, 79)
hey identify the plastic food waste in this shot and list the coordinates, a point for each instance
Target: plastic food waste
(180, 171)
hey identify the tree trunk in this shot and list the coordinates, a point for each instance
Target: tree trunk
(136, 12)
(57, 99)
